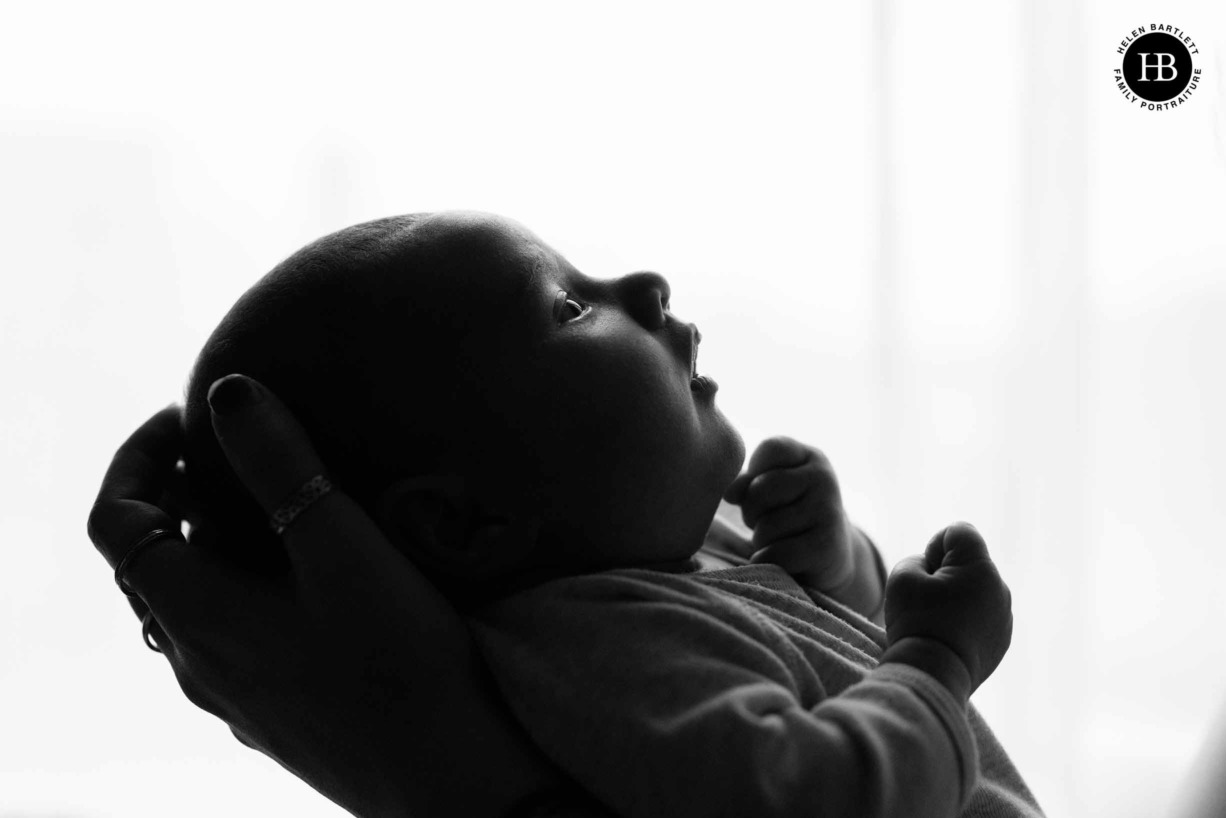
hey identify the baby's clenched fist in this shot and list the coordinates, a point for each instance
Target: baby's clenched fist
(789, 496)
(954, 595)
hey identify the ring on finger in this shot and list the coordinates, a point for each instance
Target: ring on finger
(310, 492)
(146, 626)
(141, 544)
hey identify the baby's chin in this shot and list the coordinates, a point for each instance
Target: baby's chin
(736, 455)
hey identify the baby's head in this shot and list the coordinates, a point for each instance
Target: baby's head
(496, 410)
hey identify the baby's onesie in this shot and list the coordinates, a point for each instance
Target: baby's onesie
(736, 692)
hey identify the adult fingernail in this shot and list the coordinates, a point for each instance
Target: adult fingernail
(231, 393)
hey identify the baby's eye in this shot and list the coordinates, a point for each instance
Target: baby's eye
(570, 308)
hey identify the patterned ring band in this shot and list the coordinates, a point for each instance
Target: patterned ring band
(313, 489)
(141, 544)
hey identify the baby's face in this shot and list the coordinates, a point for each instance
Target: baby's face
(589, 385)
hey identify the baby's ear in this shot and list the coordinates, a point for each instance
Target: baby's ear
(435, 522)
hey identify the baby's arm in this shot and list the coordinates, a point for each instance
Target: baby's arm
(789, 495)
(662, 702)
(663, 697)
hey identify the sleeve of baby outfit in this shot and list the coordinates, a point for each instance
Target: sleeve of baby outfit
(661, 707)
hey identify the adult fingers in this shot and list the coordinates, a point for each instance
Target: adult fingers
(153, 634)
(133, 483)
(340, 557)
(273, 457)
(138, 469)
(138, 606)
(177, 499)
(266, 446)
(125, 512)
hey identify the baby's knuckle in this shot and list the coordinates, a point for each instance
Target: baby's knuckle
(821, 474)
(773, 482)
(902, 581)
(969, 535)
(781, 445)
(819, 459)
(783, 442)
(760, 483)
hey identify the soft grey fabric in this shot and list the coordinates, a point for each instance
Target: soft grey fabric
(736, 692)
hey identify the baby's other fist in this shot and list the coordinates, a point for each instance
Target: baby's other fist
(953, 594)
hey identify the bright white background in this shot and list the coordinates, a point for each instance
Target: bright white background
(931, 239)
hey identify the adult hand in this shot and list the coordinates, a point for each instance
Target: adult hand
(351, 670)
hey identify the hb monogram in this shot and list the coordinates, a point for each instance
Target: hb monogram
(1160, 66)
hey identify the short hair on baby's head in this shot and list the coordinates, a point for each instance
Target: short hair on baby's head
(348, 333)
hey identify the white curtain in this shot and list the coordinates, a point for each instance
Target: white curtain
(932, 240)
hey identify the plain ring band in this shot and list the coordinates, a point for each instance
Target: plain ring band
(141, 544)
(146, 625)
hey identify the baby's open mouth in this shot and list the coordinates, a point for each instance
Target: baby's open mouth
(695, 340)
(699, 383)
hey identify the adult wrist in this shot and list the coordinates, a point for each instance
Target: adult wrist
(934, 658)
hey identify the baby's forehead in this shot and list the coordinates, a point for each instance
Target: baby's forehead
(445, 276)
(486, 256)
(471, 233)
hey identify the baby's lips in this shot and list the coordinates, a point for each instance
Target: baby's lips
(704, 385)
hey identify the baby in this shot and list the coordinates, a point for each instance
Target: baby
(540, 444)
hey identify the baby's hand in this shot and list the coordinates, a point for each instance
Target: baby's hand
(790, 497)
(954, 595)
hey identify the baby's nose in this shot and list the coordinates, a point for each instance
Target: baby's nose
(646, 296)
